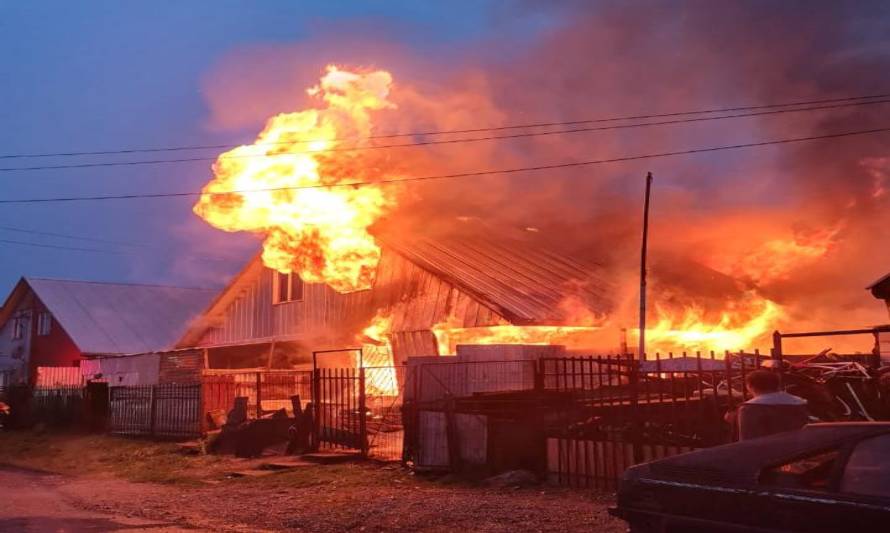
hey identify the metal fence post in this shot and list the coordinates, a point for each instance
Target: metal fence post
(316, 408)
(636, 425)
(152, 410)
(362, 422)
(539, 375)
(259, 401)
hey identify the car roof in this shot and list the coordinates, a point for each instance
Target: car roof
(742, 462)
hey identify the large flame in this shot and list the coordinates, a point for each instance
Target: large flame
(777, 258)
(742, 325)
(380, 375)
(448, 338)
(319, 232)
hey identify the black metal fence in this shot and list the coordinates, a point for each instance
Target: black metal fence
(581, 420)
(164, 411)
(622, 412)
(339, 400)
(56, 407)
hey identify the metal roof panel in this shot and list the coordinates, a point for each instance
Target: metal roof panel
(119, 318)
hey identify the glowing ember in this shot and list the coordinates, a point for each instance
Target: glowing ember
(740, 326)
(321, 233)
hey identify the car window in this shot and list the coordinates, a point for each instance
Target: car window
(812, 472)
(868, 469)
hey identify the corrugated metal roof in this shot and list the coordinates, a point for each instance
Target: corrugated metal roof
(117, 318)
(525, 281)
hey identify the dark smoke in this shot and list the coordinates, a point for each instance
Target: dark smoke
(626, 58)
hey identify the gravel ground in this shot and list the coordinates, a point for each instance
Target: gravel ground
(128, 480)
(349, 498)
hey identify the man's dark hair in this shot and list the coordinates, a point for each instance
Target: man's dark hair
(763, 381)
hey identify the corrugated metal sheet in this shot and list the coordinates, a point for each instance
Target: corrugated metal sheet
(471, 282)
(524, 283)
(115, 318)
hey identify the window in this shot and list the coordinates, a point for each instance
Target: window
(18, 327)
(868, 469)
(286, 288)
(812, 472)
(44, 323)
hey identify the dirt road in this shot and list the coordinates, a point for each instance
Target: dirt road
(75, 483)
(33, 501)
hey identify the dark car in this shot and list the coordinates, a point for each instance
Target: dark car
(824, 477)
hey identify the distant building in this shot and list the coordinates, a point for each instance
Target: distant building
(881, 290)
(60, 323)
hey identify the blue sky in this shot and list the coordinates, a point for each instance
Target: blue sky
(107, 75)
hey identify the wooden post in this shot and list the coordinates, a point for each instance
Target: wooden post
(271, 354)
(643, 253)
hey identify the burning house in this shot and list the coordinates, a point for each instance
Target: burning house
(428, 296)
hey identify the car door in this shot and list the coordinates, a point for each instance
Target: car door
(799, 495)
(864, 486)
(834, 490)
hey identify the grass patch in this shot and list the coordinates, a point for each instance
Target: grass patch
(78, 454)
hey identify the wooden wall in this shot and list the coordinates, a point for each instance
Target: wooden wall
(252, 317)
(181, 367)
(416, 299)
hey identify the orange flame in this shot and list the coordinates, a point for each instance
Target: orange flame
(741, 325)
(284, 185)
(776, 259)
(380, 375)
(447, 338)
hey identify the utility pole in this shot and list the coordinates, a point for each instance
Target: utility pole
(642, 350)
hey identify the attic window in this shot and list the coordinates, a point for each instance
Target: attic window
(44, 323)
(286, 288)
(18, 327)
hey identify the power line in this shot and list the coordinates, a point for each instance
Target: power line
(59, 247)
(93, 239)
(448, 132)
(455, 176)
(438, 142)
(69, 236)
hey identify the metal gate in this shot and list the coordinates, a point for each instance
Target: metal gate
(339, 401)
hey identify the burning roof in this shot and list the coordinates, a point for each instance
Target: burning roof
(523, 283)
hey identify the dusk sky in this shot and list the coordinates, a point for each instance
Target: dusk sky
(100, 76)
(114, 75)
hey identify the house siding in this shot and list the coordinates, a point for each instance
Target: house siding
(181, 367)
(415, 298)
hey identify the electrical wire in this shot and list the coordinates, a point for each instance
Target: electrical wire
(455, 131)
(91, 239)
(59, 247)
(437, 142)
(457, 175)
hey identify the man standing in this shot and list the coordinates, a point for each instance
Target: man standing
(771, 410)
